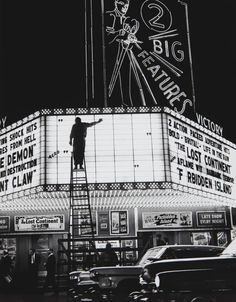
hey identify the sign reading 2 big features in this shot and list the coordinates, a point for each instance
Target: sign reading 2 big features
(148, 60)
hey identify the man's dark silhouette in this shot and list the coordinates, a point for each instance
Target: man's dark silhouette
(6, 271)
(33, 262)
(108, 257)
(51, 270)
(77, 136)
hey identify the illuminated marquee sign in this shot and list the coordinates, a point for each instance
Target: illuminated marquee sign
(19, 158)
(122, 148)
(40, 223)
(148, 60)
(211, 219)
(200, 161)
(152, 220)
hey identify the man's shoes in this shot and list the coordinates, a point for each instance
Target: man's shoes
(81, 167)
(76, 167)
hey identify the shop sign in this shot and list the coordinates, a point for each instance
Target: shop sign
(4, 223)
(211, 219)
(101, 244)
(119, 222)
(39, 223)
(152, 220)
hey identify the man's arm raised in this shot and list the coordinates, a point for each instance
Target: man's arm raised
(94, 123)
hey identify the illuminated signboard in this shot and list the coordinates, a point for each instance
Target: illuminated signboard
(147, 50)
(201, 161)
(166, 219)
(122, 148)
(19, 158)
(39, 223)
(211, 218)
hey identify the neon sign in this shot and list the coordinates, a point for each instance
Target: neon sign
(148, 54)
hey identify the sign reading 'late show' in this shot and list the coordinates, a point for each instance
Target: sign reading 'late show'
(148, 60)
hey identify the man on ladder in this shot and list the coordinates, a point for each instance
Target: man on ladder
(78, 136)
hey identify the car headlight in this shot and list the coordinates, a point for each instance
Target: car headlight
(74, 277)
(157, 281)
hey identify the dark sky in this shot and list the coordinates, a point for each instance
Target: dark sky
(43, 57)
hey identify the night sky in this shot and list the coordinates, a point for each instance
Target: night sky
(43, 58)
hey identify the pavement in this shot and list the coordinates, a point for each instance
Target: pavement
(38, 297)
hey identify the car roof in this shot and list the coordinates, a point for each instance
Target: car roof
(190, 246)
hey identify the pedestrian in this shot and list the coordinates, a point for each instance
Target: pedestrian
(33, 264)
(77, 138)
(6, 268)
(50, 266)
(108, 257)
(159, 240)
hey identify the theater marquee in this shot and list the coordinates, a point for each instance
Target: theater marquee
(19, 158)
(199, 160)
(122, 148)
(131, 148)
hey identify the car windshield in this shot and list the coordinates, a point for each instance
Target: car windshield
(153, 253)
(230, 249)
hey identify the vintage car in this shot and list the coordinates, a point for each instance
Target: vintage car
(209, 279)
(116, 282)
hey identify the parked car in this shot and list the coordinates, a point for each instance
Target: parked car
(209, 279)
(116, 282)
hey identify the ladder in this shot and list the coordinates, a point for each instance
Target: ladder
(81, 223)
(80, 220)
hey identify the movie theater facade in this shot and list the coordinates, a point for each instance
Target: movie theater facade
(149, 170)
